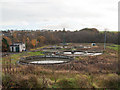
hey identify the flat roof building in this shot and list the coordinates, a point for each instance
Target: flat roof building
(17, 47)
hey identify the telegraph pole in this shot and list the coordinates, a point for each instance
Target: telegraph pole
(36, 40)
(64, 36)
(26, 40)
(105, 40)
(12, 36)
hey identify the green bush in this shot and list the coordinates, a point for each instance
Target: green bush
(79, 81)
(66, 83)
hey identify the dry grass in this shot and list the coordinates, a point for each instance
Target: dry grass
(107, 81)
(84, 72)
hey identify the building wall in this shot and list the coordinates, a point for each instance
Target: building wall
(14, 49)
(21, 47)
(10, 48)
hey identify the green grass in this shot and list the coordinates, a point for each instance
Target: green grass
(66, 83)
(114, 47)
(35, 53)
(77, 81)
(38, 48)
(16, 57)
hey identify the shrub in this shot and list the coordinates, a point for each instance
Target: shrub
(108, 81)
(83, 81)
(66, 83)
(8, 81)
(29, 82)
(79, 81)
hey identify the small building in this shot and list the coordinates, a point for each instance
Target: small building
(17, 47)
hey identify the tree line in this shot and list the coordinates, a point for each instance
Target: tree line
(39, 38)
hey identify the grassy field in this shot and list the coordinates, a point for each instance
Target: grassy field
(83, 72)
(16, 57)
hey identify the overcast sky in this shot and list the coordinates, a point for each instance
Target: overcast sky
(58, 14)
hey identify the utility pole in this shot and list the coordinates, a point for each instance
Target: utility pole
(105, 40)
(26, 40)
(36, 39)
(11, 33)
(64, 36)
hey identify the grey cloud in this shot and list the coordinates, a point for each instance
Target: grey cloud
(56, 13)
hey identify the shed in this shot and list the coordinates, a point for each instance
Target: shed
(17, 47)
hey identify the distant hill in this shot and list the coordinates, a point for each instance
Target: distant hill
(90, 30)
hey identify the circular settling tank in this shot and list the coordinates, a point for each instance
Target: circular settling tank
(45, 60)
